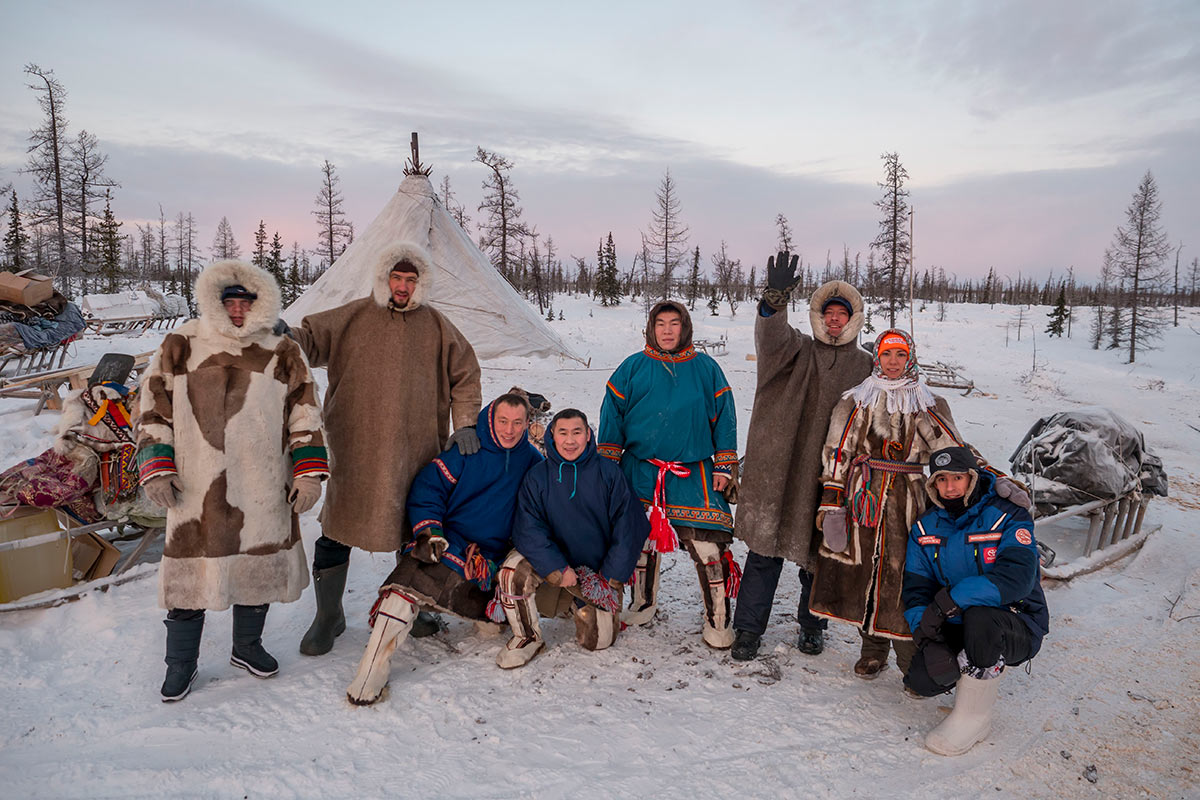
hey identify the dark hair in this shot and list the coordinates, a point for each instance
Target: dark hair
(512, 399)
(569, 413)
(404, 265)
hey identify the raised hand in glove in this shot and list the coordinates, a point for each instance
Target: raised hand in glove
(306, 490)
(834, 529)
(430, 546)
(465, 439)
(1013, 492)
(161, 490)
(781, 279)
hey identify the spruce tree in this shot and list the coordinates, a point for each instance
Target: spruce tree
(693, 286)
(259, 257)
(608, 282)
(110, 248)
(1058, 317)
(15, 239)
(274, 263)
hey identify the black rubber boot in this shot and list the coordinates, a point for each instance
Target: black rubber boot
(330, 621)
(745, 646)
(248, 652)
(812, 642)
(427, 623)
(183, 650)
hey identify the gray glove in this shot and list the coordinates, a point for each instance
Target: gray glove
(161, 490)
(282, 329)
(1013, 492)
(834, 529)
(306, 490)
(466, 439)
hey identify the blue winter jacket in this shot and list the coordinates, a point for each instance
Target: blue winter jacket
(987, 556)
(579, 513)
(472, 499)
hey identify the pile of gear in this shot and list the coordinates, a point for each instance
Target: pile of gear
(1086, 454)
(25, 328)
(91, 471)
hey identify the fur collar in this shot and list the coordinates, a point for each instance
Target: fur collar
(849, 334)
(213, 317)
(387, 258)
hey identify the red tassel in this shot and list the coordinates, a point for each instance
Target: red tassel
(662, 534)
(733, 576)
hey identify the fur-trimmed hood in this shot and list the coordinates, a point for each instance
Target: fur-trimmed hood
(685, 333)
(391, 255)
(213, 280)
(849, 334)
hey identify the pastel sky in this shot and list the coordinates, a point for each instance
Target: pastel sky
(1024, 126)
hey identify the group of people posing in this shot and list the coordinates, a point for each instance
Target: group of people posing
(235, 444)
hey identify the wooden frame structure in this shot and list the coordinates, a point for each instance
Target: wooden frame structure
(45, 386)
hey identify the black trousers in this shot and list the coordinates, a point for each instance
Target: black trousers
(985, 634)
(760, 578)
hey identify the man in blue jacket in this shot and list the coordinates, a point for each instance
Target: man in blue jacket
(462, 508)
(972, 595)
(578, 534)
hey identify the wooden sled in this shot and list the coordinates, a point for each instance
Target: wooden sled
(946, 377)
(1114, 530)
(45, 386)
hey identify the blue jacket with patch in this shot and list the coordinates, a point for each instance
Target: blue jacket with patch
(472, 499)
(987, 556)
(579, 513)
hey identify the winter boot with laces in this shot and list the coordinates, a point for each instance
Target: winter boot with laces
(248, 652)
(517, 587)
(330, 622)
(183, 650)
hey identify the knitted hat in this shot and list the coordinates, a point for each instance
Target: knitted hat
(838, 300)
(952, 461)
(404, 265)
(892, 341)
(237, 292)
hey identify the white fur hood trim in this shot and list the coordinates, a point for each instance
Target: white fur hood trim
(849, 334)
(263, 313)
(403, 251)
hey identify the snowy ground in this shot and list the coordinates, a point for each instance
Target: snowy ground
(1116, 686)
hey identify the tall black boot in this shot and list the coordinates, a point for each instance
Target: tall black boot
(330, 621)
(248, 652)
(184, 628)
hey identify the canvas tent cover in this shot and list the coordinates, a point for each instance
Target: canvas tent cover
(466, 287)
(1087, 454)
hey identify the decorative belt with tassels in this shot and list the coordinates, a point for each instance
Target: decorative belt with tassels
(864, 504)
(662, 535)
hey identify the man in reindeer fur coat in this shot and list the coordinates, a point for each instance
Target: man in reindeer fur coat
(800, 379)
(669, 420)
(399, 374)
(463, 507)
(229, 440)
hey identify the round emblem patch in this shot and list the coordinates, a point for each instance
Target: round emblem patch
(942, 460)
(1024, 536)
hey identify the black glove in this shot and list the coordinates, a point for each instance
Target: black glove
(466, 439)
(781, 271)
(941, 663)
(781, 280)
(282, 329)
(430, 546)
(936, 613)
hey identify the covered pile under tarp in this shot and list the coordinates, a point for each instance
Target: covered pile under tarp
(25, 328)
(144, 302)
(1086, 454)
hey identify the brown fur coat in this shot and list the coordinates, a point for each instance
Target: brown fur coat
(800, 380)
(397, 378)
(233, 412)
(863, 584)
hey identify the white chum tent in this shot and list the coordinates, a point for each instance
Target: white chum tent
(466, 287)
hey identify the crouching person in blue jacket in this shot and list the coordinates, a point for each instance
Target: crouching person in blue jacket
(461, 508)
(972, 596)
(578, 535)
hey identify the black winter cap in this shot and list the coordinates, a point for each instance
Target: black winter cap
(953, 459)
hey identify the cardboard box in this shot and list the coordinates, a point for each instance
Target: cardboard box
(28, 569)
(26, 288)
(92, 557)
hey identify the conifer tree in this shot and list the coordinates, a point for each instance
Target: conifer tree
(693, 286)
(608, 282)
(1058, 317)
(15, 238)
(258, 256)
(274, 264)
(110, 248)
